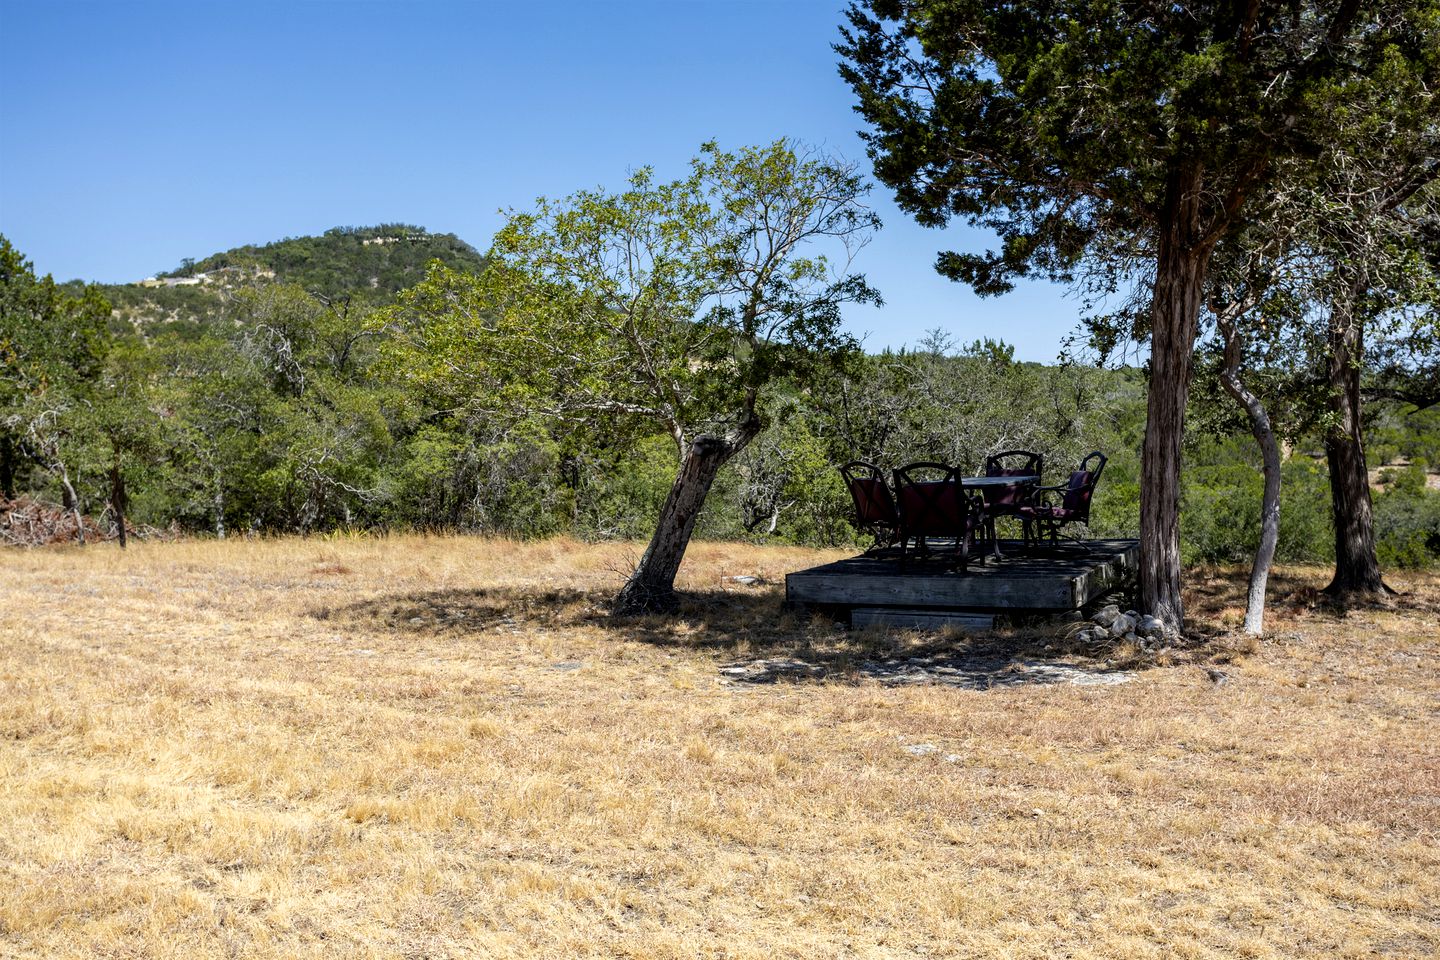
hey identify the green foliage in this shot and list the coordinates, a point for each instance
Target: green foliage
(1065, 127)
(1220, 521)
(52, 357)
(1407, 526)
(666, 304)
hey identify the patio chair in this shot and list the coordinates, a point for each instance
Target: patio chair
(932, 503)
(1007, 501)
(1044, 516)
(875, 511)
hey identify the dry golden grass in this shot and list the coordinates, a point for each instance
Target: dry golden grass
(414, 747)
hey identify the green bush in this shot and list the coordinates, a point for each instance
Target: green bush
(1407, 527)
(1220, 516)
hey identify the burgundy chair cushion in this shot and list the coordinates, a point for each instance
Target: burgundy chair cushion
(934, 510)
(1077, 493)
(872, 500)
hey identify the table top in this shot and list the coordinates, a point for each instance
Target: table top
(986, 481)
(998, 481)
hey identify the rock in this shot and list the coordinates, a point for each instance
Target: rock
(1107, 615)
(748, 581)
(1121, 625)
(1150, 627)
(1132, 638)
(920, 749)
(1217, 677)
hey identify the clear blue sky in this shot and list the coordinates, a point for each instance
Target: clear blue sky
(134, 134)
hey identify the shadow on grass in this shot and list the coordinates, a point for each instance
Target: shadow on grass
(1209, 591)
(704, 620)
(751, 624)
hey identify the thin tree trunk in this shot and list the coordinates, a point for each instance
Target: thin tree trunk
(652, 586)
(1264, 432)
(1175, 316)
(1357, 566)
(217, 508)
(119, 500)
(71, 502)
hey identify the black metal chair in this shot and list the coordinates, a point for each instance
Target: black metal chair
(875, 511)
(1007, 501)
(932, 503)
(1043, 515)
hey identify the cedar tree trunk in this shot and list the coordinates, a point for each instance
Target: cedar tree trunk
(1180, 267)
(1357, 568)
(1264, 433)
(652, 586)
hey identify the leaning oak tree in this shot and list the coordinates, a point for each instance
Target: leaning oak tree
(1068, 127)
(673, 305)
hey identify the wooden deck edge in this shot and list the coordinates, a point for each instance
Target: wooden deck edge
(832, 586)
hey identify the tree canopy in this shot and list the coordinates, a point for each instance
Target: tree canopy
(670, 303)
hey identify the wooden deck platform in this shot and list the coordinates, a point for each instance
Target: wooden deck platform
(1047, 580)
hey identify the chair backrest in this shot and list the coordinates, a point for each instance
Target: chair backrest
(1081, 488)
(1014, 463)
(1011, 463)
(931, 500)
(874, 503)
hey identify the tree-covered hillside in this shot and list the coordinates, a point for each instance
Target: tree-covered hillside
(363, 265)
(376, 262)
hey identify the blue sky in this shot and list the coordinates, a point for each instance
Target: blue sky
(134, 134)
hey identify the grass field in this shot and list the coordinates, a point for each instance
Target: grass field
(416, 747)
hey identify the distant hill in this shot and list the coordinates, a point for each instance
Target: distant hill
(366, 263)
(384, 259)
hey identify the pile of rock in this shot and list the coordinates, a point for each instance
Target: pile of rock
(1110, 627)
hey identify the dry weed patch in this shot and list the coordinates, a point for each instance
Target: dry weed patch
(436, 747)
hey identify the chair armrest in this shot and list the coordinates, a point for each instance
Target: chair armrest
(1045, 496)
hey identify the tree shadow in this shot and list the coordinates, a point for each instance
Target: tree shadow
(1290, 594)
(702, 620)
(751, 625)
